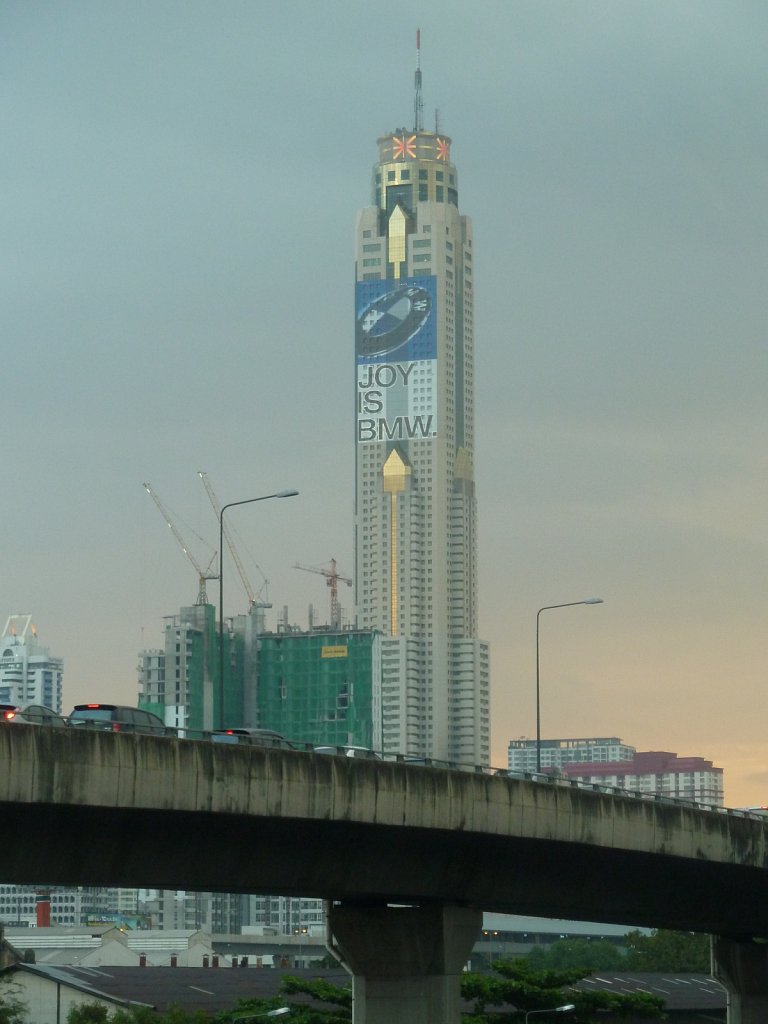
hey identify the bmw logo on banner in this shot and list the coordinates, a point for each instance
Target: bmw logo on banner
(396, 353)
(389, 322)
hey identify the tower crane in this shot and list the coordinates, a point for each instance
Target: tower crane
(253, 599)
(203, 574)
(332, 578)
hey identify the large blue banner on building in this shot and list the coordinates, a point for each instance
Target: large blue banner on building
(396, 354)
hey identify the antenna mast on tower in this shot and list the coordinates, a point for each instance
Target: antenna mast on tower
(418, 103)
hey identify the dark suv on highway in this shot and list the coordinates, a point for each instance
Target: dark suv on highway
(118, 718)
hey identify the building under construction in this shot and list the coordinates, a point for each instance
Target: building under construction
(321, 687)
(179, 681)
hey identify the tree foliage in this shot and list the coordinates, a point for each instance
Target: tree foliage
(321, 990)
(88, 1013)
(668, 951)
(517, 984)
(13, 1009)
(338, 1010)
(599, 955)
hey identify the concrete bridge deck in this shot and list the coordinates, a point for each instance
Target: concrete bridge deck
(101, 808)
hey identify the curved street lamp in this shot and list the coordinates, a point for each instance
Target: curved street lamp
(547, 608)
(279, 1012)
(246, 501)
(568, 1007)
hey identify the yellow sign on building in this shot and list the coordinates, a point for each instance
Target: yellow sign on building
(339, 651)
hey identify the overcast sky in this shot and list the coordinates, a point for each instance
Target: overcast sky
(180, 182)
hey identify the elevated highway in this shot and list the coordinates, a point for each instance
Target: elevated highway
(101, 808)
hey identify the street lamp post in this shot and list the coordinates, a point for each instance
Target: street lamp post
(490, 935)
(568, 1007)
(301, 931)
(547, 608)
(246, 501)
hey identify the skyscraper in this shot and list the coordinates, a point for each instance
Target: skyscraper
(415, 512)
(29, 673)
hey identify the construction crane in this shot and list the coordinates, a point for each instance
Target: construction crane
(253, 599)
(332, 578)
(202, 574)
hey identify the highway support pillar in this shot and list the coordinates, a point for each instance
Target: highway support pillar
(742, 968)
(406, 962)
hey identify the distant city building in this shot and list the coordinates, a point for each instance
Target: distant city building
(174, 909)
(610, 762)
(31, 906)
(415, 509)
(287, 915)
(657, 771)
(29, 673)
(522, 753)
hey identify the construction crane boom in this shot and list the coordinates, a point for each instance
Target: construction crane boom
(332, 578)
(216, 505)
(203, 574)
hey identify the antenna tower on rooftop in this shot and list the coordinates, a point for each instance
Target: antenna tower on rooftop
(418, 103)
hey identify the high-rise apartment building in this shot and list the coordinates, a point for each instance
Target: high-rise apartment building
(608, 761)
(657, 771)
(29, 673)
(415, 509)
(523, 755)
